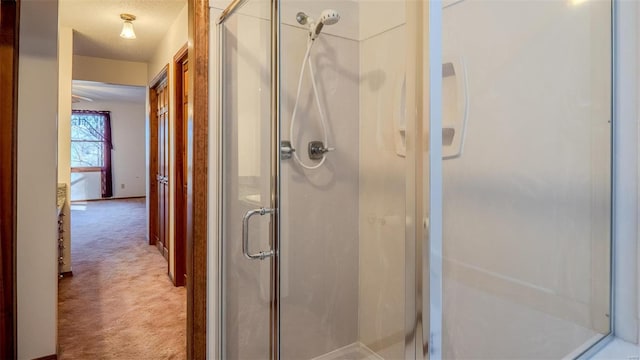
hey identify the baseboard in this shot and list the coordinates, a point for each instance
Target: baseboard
(48, 357)
(67, 273)
(111, 198)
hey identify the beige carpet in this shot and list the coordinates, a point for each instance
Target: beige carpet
(119, 303)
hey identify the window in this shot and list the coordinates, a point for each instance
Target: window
(91, 145)
(88, 140)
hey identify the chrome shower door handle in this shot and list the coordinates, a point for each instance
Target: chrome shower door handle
(245, 234)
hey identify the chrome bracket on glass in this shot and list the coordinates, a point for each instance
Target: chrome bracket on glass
(245, 234)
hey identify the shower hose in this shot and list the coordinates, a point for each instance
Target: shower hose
(323, 121)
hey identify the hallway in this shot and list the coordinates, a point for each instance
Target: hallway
(119, 303)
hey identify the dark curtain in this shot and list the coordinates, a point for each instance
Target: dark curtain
(106, 171)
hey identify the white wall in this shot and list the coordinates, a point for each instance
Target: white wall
(526, 209)
(128, 154)
(121, 73)
(109, 71)
(173, 41)
(65, 66)
(626, 173)
(37, 267)
(175, 38)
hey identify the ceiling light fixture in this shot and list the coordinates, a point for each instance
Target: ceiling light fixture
(127, 28)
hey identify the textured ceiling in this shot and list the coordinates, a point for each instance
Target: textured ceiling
(107, 92)
(97, 26)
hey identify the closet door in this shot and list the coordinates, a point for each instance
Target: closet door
(162, 176)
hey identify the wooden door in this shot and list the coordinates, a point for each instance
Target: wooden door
(9, 24)
(158, 162)
(162, 176)
(185, 116)
(181, 153)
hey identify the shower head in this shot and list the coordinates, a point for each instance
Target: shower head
(328, 17)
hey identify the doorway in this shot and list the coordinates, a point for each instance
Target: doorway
(32, 30)
(181, 27)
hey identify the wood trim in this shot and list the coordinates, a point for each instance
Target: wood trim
(181, 54)
(197, 190)
(180, 161)
(161, 76)
(85, 169)
(107, 199)
(48, 357)
(153, 154)
(9, 41)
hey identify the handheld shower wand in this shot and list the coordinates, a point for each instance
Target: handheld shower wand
(328, 17)
(316, 150)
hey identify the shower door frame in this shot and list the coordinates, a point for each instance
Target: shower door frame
(423, 329)
(423, 235)
(274, 177)
(423, 232)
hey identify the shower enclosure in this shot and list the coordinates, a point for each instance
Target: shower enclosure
(456, 204)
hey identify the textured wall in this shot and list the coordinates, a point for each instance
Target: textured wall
(65, 66)
(37, 265)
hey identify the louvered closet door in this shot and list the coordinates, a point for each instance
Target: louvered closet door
(163, 169)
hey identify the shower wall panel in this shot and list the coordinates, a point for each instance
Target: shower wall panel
(319, 239)
(527, 206)
(382, 179)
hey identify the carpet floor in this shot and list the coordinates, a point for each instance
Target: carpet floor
(119, 303)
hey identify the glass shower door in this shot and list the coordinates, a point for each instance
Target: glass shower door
(350, 263)
(246, 182)
(526, 145)
(346, 277)
(527, 199)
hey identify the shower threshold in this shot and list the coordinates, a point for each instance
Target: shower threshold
(354, 351)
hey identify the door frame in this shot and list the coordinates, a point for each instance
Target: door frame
(197, 195)
(180, 160)
(197, 179)
(274, 181)
(9, 41)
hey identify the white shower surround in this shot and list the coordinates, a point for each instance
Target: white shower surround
(363, 33)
